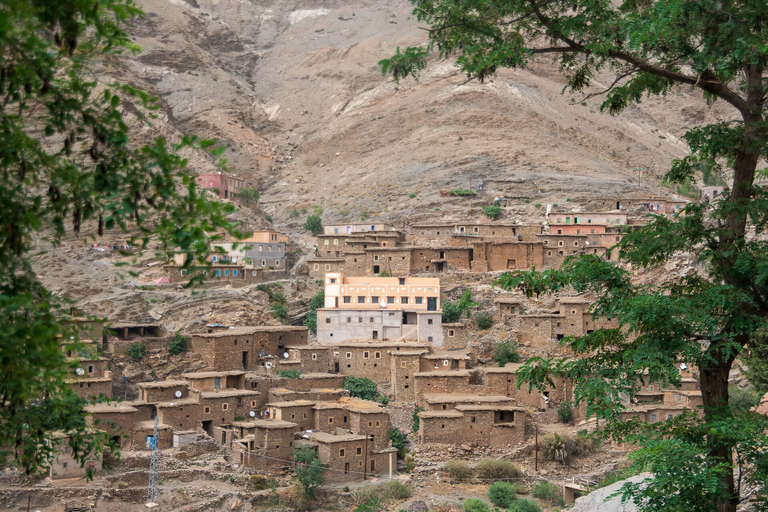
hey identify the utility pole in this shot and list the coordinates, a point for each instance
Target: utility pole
(536, 456)
(152, 490)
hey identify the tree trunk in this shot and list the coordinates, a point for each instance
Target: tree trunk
(714, 393)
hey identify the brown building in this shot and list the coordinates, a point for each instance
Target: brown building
(64, 465)
(349, 457)
(246, 348)
(484, 424)
(260, 444)
(374, 359)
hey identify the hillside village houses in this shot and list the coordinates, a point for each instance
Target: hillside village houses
(227, 185)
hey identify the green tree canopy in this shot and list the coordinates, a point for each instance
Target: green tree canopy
(361, 387)
(314, 224)
(69, 165)
(309, 469)
(707, 318)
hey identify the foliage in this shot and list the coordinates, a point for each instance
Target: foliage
(584, 443)
(756, 361)
(309, 469)
(462, 192)
(373, 504)
(546, 491)
(492, 211)
(317, 301)
(557, 447)
(502, 494)
(497, 469)
(411, 195)
(317, 210)
(136, 350)
(294, 214)
(280, 311)
(396, 490)
(361, 387)
(475, 505)
(383, 400)
(706, 318)
(523, 506)
(451, 312)
(249, 195)
(364, 215)
(458, 469)
(565, 412)
(484, 321)
(289, 374)
(415, 418)
(314, 224)
(506, 352)
(178, 344)
(466, 303)
(397, 438)
(742, 399)
(384, 273)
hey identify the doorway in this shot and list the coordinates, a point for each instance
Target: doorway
(245, 360)
(208, 427)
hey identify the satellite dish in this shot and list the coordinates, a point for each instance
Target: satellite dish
(177, 394)
(80, 371)
(683, 366)
(252, 414)
(383, 304)
(285, 355)
(268, 365)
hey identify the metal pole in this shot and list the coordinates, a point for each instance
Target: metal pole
(536, 458)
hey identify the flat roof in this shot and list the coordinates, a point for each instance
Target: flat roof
(292, 403)
(264, 424)
(226, 393)
(208, 375)
(408, 352)
(324, 437)
(162, 384)
(507, 368)
(447, 398)
(176, 403)
(250, 330)
(450, 413)
(447, 354)
(489, 407)
(445, 373)
(118, 407)
(382, 344)
(508, 300)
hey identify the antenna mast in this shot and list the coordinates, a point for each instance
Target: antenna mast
(152, 490)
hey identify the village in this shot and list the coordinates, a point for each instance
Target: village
(261, 392)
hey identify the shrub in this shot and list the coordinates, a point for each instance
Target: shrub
(361, 387)
(466, 303)
(137, 350)
(502, 494)
(458, 469)
(475, 505)
(289, 374)
(249, 194)
(178, 344)
(317, 301)
(520, 488)
(492, 211)
(364, 215)
(524, 506)
(451, 312)
(537, 205)
(527, 201)
(344, 213)
(383, 400)
(565, 412)
(506, 352)
(583, 443)
(279, 311)
(294, 213)
(557, 447)
(546, 491)
(314, 224)
(484, 321)
(373, 504)
(493, 469)
(215, 190)
(317, 209)
(309, 470)
(384, 273)
(397, 438)
(462, 192)
(415, 419)
(396, 490)
(411, 195)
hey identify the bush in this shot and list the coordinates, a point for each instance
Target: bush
(397, 438)
(492, 469)
(466, 303)
(546, 491)
(294, 213)
(458, 469)
(384, 273)
(280, 311)
(584, 444)
(506, 352)
(396, 490)
(317, 301)
(502, 494)
(451, 312)
(565, 412)
(411, 195)
(137, 350)
(492, 211)
(415, 419)
(289, 374)
(383, 400)
(361, 387)
(178, 344)
(524, 506)
(314, 224)
(557, 447)
(249, 194)
(475, 505)
(484, 321)
(462, 192)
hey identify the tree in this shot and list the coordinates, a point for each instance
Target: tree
(314, 224)
(361, 387)
(317, 301)
(451, 312)
(249, 194)
(136, 350)
(280, 312)
(707, 318)
(178, 344)
(756, 362)
(506, 352)
(502, 494)
(466, 303)
(398, 440)
(69, 165)
(309, 469)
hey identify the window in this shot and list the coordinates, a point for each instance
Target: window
(560, 243)
(359, 319)
(349, 355)
(305, 415)
(207, 410)
(475, 230)
(359, 450)
(314, 357)
(183, 272)
(377, 355)
(224, 407)
(64, 465)
(402, 365)
(378, 423)
(341, 452)
(429, 321)
(226, 272)
(347, 300)
(234, 272)
(253, 402)
(375, 257)
(330, 420)
(218, 273)
(349, 319)
(325, 242)
(370, 423)
(293, 416)
(390, 300)
(90, 368)
(450, 333)
(374, 299)
(277, 263)
(366, 354)
(653, 417)
(215, 259)
(361, 300)
(327, 320)
(401, 281)
(264, 263)
(327, 266)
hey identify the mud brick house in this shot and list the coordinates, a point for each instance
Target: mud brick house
(115, 418)
(492, 425)
(64, 465)
(295, 411)
(403, 365)
(498, 256)
(263, 249)
(91, 379)
(348, 457)
(228, 186)
(425, 233)
(319, 266)
(306, 358)
(386, 308)
(246, 348)
(654, 205)
(455, 336)
(260, 444)
(439, 259)
(441, 360)
(180, 414)
(355, 227)
(374, 359)
(614, 218)
(233, 274)
(162, 391)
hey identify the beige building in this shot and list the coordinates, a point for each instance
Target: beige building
(589, 218)
(355, 227)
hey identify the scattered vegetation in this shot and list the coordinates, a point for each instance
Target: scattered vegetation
(502, 494)
(484, 321)
(462, 192)
(565, 412)
(289, 374)
(317, 210)
(280, 312)
(364, 215)
(466, 303)
(383, 400)
(451, 312)
(412, 195)
(523, 506)
(317, 301)
(506, 352)
(384, 273)
(475, 505)
(137, 350)
(361, 387)
(294, 214)
(249, 195)
(178, 344)
(546, 491)
(309, 470)
(458, 470)
(492, 211)
(415, 418)
(314, 224)
(398, 439)
(497, 469)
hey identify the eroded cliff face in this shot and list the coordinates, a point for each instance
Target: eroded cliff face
(294, 90)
